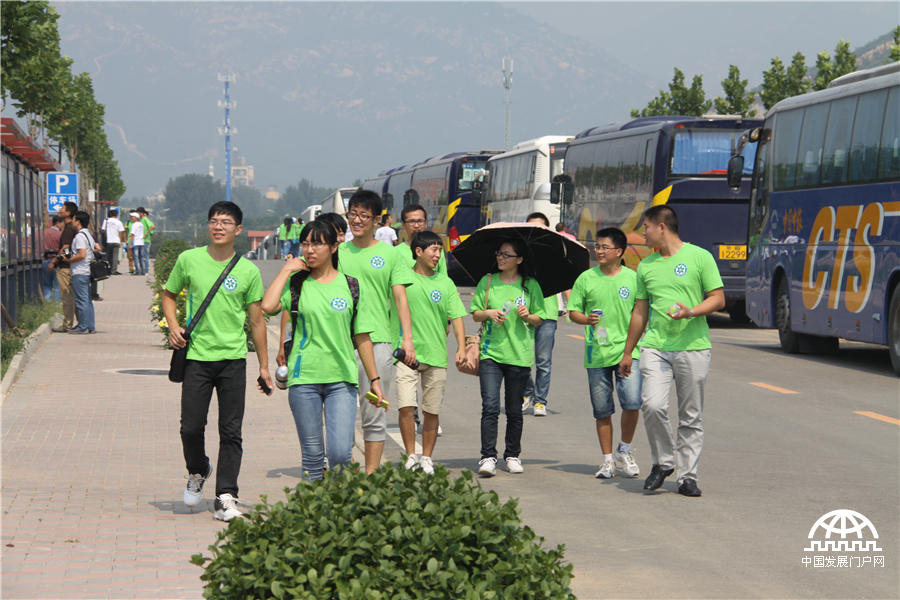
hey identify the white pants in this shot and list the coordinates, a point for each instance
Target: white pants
(373, 418)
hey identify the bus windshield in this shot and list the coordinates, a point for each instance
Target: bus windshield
(468, 174)
(706, 152)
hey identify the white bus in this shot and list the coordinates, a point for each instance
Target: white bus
(518, 181)
(337, 201)
(311, 212)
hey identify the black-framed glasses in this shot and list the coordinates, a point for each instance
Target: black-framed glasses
(222, 222)
(499, 254)
(355, 216)
(415, 221)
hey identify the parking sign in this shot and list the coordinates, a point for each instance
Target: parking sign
(61, 188)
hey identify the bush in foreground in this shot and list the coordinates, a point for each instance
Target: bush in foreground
(393, 534)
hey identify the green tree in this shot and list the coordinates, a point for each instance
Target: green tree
(188, 197)
(895, 47)
(737, 100)
(780, 83)
(679, 100)
(827, 69)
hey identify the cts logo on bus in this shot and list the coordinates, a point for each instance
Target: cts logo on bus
(836, 224)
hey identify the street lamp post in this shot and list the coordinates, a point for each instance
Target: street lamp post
(227, 130)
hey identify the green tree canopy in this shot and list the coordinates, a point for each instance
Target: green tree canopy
(780, 83)
(827, 69)
(188, 197)
(895, 47)
(737, 100)
(679, 100)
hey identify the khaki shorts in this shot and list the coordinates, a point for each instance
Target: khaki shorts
(433, 381)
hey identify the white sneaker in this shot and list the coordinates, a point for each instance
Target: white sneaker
(526, 403)
(487, 467)
(226, 508)
(440, 431)
(412, 462)
(426, 465)
(607, 470)
(514, 465)
(540, 409)
(626, 462)
(193, 493)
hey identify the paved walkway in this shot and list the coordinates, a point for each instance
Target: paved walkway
(92, 476)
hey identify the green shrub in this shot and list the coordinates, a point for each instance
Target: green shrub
(392, 534)
(30, 316)
(166, 256)
(162, 266)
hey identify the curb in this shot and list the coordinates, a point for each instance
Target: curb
(20, 360)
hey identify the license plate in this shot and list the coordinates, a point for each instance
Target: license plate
(733, 252)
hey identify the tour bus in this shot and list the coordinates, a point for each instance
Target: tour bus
(824, 230)
(311, 212)
(613, 173)
(517, 182)
(337, 201)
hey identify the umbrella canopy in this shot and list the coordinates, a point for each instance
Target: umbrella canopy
(553, 259)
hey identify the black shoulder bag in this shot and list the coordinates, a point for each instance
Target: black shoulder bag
(296, 283)
(179, 355)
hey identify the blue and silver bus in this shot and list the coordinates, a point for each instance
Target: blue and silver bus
(824, 229)
(613, 173)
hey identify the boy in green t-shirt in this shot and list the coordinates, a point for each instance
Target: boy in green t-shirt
(384, 276)
(149, 227)
(434, 300)
(677, 286)
(217, 353)
(602, 300)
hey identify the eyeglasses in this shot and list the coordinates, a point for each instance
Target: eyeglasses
(605, 248)
(415, 221)
(224, 223)
(313, 245)
(505, 255)
(355, 216)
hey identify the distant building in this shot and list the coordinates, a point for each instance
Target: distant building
(272, 194)
(242, 173)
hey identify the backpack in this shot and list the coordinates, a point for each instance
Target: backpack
(296, 284)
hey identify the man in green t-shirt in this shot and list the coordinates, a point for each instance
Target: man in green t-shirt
(434, 300)
(414, 219)
(384, 275)
(217, 352)
(602, 300)
(677, 286)
(148, 235)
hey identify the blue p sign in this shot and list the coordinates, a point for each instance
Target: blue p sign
(61, 188)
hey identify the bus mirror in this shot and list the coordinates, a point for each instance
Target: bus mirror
(554, 192)
(568, 193)
(388, 201)
(476, 193)
(735, 170)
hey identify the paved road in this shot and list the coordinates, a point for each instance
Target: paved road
(92, 474)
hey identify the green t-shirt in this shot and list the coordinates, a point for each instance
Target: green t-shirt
(220, 333)
(615, 297)
(323, 349)
(686, 277)
(148, 230)
(432, 302)
(551, 308)
(512, 342)
(378, 268)
(288, 233)
(406, 253)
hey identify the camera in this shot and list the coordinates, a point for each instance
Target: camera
(66, 252)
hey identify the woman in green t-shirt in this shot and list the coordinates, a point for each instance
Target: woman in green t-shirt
(507, 350)
(322, 372)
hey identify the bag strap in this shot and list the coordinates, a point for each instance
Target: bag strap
(487, 291)
(209, 296)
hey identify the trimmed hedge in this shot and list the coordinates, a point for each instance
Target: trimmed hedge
(392, 534)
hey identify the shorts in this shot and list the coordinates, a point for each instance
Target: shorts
(600, 382)
(434, 379)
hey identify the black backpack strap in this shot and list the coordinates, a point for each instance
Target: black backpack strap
(212, 292)
(353, 284)
(296, 284)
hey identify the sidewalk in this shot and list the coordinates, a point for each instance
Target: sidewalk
(93, 472)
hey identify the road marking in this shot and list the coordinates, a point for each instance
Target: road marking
(877, 417)
(577, 337)
(773, 388)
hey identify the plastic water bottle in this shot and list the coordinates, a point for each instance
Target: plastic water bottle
(600, 334)
(281, 377)
(400, 354)
(507, 306)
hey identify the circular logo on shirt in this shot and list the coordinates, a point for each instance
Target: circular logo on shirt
(436, 296)
(624, 293)
(230, 283)
(377, 262)
(338, 304)
(680, 270)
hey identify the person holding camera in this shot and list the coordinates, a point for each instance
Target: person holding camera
(79, 258)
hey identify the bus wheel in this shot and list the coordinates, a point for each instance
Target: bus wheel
(790, 341)
(894, 329)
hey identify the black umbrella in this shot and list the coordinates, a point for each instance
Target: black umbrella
(553, 259)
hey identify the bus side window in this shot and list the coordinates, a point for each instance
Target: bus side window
(837, 141)
(809, 157)
(787, 139)
(867, 136)
(889, 165)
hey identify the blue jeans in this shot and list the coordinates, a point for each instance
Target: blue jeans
(490, 375)
(544, 339)
(600, 383)
(84, 306)
(49, 282)
(295, 248)
(140, 256)
(285, 248)
(339, 403)
(145, 257)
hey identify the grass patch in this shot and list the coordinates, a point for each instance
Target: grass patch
(31, 315)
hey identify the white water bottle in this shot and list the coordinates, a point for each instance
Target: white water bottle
(600, 334)
(281, 376)
(507, 307)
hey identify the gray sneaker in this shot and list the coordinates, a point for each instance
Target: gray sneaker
(226, 508)
(193, 493)
(626, 462)
(607, 470)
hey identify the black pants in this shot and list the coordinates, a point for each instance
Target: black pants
(229, 378)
